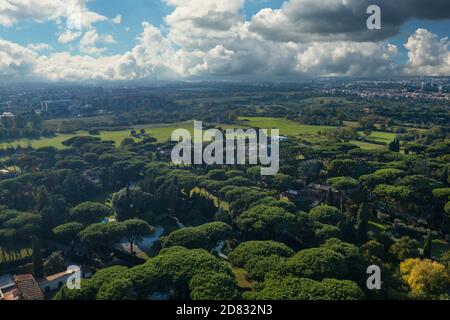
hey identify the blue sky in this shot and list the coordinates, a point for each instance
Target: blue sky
(134, 12)
(208, 38)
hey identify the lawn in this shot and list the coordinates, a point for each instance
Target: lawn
(162, 132)
(385, 137)
(292, 128)
(286, 127)
(367, 145)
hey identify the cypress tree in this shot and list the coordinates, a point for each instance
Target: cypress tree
(427, 246)
(330, 197)
(362, 224)
(347, 230)
(394, 146)
(38, 265)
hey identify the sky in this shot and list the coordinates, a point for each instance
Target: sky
(139, 40)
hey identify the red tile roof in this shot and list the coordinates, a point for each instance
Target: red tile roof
(28, 287)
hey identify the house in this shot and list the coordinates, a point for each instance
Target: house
(55, 281)
(20, 287)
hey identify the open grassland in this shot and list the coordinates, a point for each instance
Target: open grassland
(286, 127)
(310, 132)
(162, 132)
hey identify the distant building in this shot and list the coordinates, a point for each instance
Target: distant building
(7, 115)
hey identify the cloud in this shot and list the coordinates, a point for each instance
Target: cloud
(39, 46)
(16, 62)
(68, 36)
(75, 12)
(427, 54)
(210, 39)
(331, 20)
(203, 24)
(117, 19)
(91, 40)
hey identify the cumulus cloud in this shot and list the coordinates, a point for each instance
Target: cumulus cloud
(203, 24)
(428, 55)
(91, 40)
(75, 12)
(330, 20)
(211, 39)
(16, 62)
(39, 46)
(68, 36)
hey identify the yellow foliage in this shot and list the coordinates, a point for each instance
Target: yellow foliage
(425, 277)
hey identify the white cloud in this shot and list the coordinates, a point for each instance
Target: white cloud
(39, 46)
(203, 24)
(75, 12)
(16, 62)
(68, 36)
(428, 55)
(117, 19)
(211, 39)
(91, 39)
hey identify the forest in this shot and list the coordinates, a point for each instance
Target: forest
(149, 229)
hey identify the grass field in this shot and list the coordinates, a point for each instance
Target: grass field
(366, 145)
(292, 128)
(162, 132)
(286, 127)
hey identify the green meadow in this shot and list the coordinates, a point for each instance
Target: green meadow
(162, 132)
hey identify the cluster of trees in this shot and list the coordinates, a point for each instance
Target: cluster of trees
(177, 272)
(381, 207)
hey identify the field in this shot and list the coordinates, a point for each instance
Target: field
(162, 132)
(291, 128)
(286, 127)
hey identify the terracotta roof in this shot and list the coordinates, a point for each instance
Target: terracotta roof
(59, 275)
(28, 287)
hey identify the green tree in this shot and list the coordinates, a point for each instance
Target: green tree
(405, 248)
(317, 263)
(327, 214)
(427, 246)
(343, 185)
(394, 146)
(204, 236)
(116, 289)
(246, 251)
(135, 230)
(38, 264)
(90, 212)
(362, 223)
(68, 232)
(213, 286)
